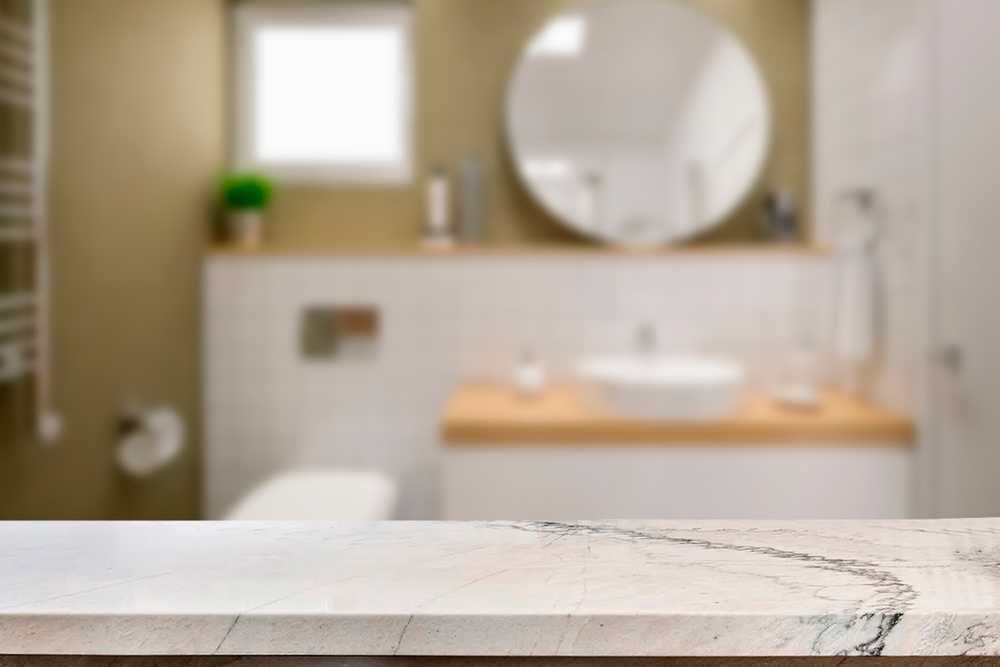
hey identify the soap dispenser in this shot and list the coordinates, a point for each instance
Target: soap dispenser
(529, 377)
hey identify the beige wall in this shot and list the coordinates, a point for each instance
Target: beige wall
(138, 131)
(466, 51)
(139, 135)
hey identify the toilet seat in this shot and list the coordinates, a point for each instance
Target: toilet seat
(320, 495)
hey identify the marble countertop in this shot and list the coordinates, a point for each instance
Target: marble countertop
(502, 589)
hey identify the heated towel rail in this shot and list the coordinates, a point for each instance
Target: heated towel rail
(24, 252)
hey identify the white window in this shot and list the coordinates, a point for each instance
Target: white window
(324, 92)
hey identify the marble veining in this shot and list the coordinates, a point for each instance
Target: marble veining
(588, 589)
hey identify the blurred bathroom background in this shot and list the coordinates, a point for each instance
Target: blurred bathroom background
(499, 259)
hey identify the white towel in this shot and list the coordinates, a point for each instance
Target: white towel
(856, 315)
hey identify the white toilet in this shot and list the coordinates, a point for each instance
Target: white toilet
(320, 495)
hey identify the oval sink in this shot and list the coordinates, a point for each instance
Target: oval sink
(674, 388)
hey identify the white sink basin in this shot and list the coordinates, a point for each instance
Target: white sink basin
(672, 388)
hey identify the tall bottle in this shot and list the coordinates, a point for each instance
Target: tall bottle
(472, 223)
(438, 208)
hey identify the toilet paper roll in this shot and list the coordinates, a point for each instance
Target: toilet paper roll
(155, 439)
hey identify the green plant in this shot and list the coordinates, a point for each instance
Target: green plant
(246, 191)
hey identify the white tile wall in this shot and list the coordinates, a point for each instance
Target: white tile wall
(446, 319)
(872, 130)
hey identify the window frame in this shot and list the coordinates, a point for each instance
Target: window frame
(247, 18)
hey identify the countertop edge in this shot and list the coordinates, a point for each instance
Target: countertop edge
(750, 635)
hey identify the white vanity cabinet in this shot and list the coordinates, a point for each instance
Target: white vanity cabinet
(507, 458)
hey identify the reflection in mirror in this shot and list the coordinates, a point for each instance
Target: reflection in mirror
(638, 121)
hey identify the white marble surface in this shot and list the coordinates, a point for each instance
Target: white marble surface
(505, 589)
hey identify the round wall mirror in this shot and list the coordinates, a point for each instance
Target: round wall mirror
(638, 121)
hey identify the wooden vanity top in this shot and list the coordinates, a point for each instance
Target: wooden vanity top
(484, 415)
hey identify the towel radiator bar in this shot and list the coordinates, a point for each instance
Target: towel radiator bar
(24, 144)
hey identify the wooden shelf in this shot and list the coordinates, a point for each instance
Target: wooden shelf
(500, 250)
(484, 415)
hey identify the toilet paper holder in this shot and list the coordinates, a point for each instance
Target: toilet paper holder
(149, 438)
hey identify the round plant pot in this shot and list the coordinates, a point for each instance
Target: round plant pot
(246, 228)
